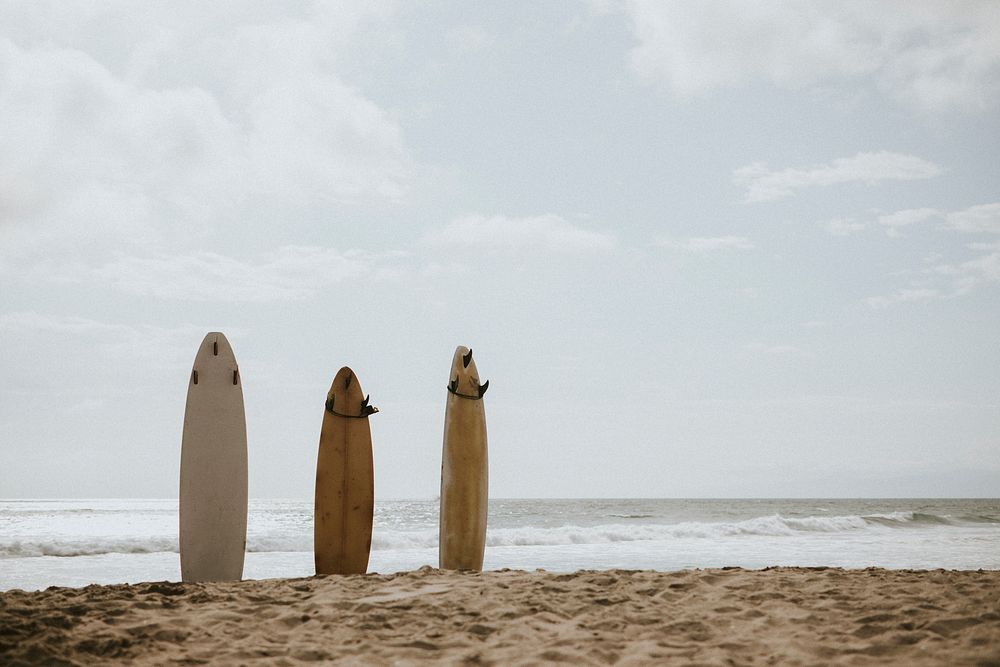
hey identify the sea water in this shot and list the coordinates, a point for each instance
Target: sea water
(79, 542)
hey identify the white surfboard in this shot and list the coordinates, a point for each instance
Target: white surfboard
(213, 488)
(464, 468)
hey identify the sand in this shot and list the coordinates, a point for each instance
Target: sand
(784, 616)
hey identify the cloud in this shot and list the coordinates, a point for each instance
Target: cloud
(931, 56)
(983, 218)
(763, 184)
(949, 280)
(764, 349)
(91, 369)
(707, 244)
(905, 218)
(154, 344)
(22, 321)
(288, 273)
(843, 226)
(912, 294)
(470, 39)
(158, 123)
(35, 322)
(544, 233)
(968, 275)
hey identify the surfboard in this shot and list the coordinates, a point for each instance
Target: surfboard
(345, 480)
(464, 468)
(213, 488)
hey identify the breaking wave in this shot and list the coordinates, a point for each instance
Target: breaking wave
(90, 547)
(388, 539)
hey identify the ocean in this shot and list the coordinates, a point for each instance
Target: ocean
(78, 542)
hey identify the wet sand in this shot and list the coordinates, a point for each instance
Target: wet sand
(786, 616)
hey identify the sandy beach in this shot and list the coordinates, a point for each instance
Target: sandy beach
(787, 616)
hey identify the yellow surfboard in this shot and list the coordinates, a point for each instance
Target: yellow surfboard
(213, 485)
(345, 480)
(464, 468)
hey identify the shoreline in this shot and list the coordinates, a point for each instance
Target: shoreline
(427, 616)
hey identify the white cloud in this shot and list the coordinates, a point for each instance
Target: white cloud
(291, 272)
(983, 218)
(764, 349)
(707, 244)
(40, 322)
(910, 294)
(763, 184)
(905, 218)
(31, 321)
(843, 226)
(92, 368)
(973, 273)
(546, 233)
(931, 55)
(153, 343)
(985, 269)
(470, 38)
(161, 120)
(948, 280)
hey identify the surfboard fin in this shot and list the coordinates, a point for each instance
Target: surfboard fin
(366, 409)
(483, 387)
(350, 377)
(452, 386)
(466, 359)
(329, 404)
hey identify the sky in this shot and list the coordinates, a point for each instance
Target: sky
(721, 249)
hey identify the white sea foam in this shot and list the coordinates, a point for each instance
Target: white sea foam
(91, 547)
(389, 539)
(77, 542)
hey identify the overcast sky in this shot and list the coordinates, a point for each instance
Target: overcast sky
(712, 249)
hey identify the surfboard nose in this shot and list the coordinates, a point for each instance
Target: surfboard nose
(464, 378)
(345, 398)
(215, 344)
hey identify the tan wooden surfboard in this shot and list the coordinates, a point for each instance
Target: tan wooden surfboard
(345, 480)
(213, 488)
(464, 468)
